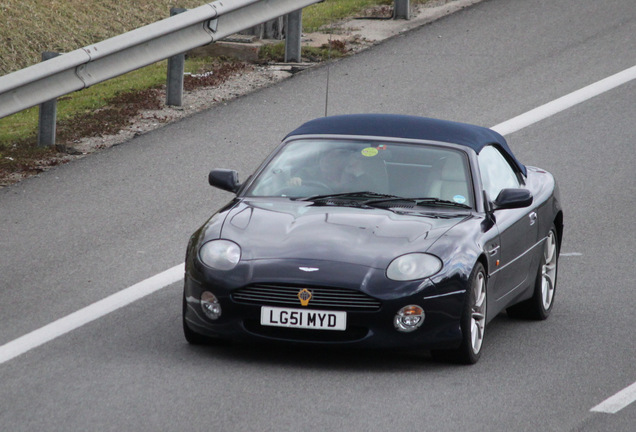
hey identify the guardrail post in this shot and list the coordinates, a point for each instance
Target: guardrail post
(401, 9)
(293, 36)
(47, 114)
(274, 29)
(176, 69)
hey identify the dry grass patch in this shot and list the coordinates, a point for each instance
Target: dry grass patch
(30, 27)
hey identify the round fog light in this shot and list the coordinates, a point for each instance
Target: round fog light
(409, 318)
(210, 305)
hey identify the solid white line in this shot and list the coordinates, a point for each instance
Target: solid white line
(89, 313)
(620, 400)
(568, 101)
(118, 300)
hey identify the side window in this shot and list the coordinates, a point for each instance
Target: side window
(496, 172)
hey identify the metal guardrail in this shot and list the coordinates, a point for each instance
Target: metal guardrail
(116, 56)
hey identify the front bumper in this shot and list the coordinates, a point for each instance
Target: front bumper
(372, 327)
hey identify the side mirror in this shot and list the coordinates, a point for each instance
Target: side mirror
(225, 179)
(513, 198)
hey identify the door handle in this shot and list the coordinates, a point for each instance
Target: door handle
(493, 250)
(533, 218)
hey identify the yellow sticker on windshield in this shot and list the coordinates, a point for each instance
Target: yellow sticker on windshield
(369, 151)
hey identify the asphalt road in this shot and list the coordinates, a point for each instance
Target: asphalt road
(83, 231)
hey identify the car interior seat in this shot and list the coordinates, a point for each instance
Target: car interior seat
(452, 184)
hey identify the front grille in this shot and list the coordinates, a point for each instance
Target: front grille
(322, 297)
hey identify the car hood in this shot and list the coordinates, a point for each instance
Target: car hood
(300, 230)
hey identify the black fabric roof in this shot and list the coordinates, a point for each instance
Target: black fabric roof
(409, 127)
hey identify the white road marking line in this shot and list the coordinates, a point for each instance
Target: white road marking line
(123, 298)
(620, 400)
(90, 313)
(570, 254)
(568, 101)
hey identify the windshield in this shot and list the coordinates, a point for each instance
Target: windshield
(310, 168)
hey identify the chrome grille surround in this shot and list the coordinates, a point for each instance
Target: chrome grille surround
(322, 297)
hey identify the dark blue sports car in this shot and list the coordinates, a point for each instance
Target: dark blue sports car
(374, 230)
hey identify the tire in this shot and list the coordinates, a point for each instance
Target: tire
(539, 306)
(473, 322)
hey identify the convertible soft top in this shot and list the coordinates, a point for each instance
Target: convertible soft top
(409, 127)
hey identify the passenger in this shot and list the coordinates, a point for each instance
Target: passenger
(356, 175)
(365, 172)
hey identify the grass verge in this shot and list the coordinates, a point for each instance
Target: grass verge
(323, 14)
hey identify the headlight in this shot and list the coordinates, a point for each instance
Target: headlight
(413, 266)
(220, 254)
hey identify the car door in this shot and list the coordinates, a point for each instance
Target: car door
(518, 228)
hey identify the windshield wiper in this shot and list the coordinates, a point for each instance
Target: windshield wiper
(440, 202)
(377, 199)
(361, 194)
(419, 201)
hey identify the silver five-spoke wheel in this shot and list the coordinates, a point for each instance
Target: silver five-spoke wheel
(548, 271)
(478, 313)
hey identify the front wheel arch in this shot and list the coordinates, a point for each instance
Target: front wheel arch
(472, 321)
(558, 225)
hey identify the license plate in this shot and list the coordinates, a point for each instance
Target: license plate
(303, 318)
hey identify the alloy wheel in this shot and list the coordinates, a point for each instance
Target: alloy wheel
(549, 271)
(478, 313)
